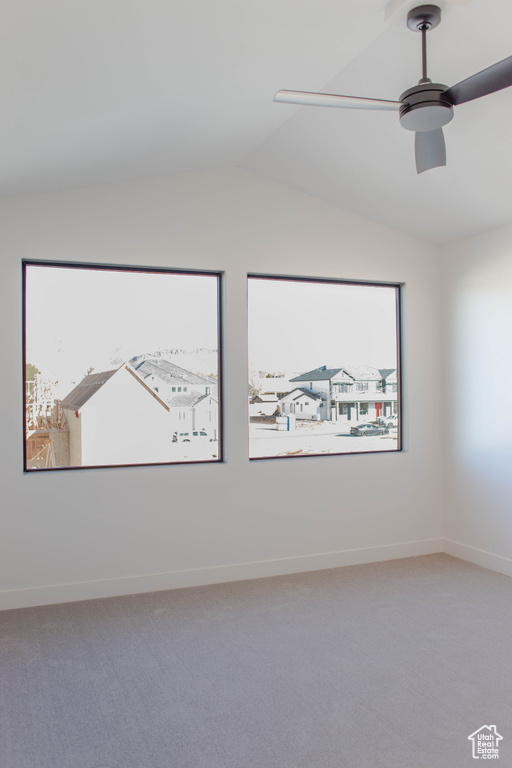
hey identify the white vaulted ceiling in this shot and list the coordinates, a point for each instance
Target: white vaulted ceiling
(98, 91)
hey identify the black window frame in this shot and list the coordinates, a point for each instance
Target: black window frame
(399, 298)
(217, 274)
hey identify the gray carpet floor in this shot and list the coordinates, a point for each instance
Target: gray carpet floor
(381, 665)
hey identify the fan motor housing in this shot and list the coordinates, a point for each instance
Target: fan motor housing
(425, 107)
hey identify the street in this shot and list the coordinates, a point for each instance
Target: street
(314, 438)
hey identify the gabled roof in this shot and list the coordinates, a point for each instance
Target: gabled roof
(86, 389)
(183, 401)
(203, 397)
(303, 392)
(363, 373)
(170, 373)
(306, 392)
(356, 372)
(318, 374)
(83, 392)
(188, 400)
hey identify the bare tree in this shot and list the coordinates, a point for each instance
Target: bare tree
(254, 384)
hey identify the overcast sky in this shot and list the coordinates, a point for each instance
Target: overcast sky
(83, 318)
(298, 326)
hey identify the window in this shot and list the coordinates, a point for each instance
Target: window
(101, 347)
(330, 336)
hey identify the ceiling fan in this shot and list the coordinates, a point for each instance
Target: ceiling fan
(425, 107)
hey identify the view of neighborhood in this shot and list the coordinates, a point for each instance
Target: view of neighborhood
(323, 410)
(103, 385)
(123, 368)
(148, 410)
(299, 408)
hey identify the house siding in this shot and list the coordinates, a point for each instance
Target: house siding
(123, 423)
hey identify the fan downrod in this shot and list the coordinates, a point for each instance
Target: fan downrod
(423, 17)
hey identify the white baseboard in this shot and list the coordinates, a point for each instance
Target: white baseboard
(154, 582)
(478, 557)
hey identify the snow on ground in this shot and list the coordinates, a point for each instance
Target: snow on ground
(314, 438)
(198, 449)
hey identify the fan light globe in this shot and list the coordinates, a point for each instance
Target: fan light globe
(426, 118)
(425, 107)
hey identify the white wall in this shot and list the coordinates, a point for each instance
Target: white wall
(477, 282)
(114, 531)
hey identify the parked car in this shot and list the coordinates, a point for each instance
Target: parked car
(388, 421)
(186, 437)
(368, 429)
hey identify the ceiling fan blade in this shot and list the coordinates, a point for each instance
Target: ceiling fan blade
(332, 100)
(430, 150)
(489, 80)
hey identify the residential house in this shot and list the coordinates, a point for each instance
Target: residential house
(305, 404)
(115, 418)
(169, 379)
(193, 400)
(356, 393)
(123, 417)
(191, 412)
(263, 405)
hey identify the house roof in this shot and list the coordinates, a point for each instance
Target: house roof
(385, 372)
(170, 373)
(86, 389)
(356, 372)
(363, 373)
(183, 401)
(302, 392)
(203, 397)
(188, 400)
(318, 374)
(307, 393)
(94, 381)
